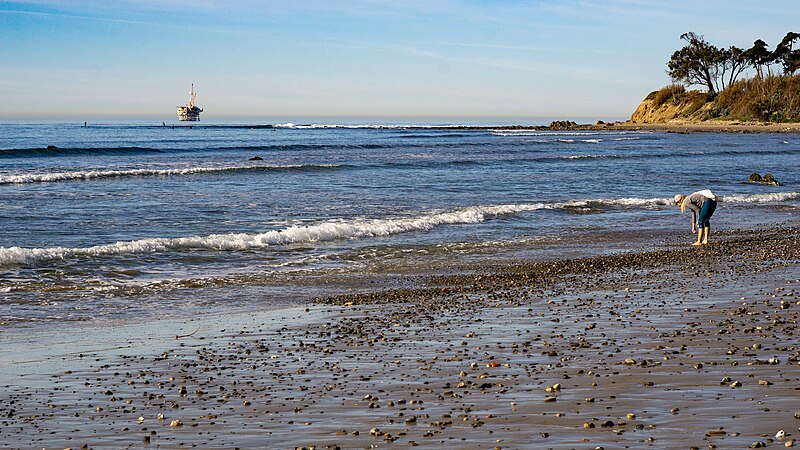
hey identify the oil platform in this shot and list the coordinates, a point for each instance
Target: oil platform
(190, 112)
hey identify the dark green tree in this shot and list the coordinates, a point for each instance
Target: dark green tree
(786, 54)
(759, 57)
(698, 62)
(733, 62)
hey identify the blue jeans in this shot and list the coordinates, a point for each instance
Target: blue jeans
(704, 218)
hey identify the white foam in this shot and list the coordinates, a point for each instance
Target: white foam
(572, 141)
(326, 231)
(587, 156)
(633, 201)
(343, 229)
(760, 198)
(323, 126)
(514, 133)
(100, 174)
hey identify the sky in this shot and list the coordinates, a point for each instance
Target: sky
(512, 60)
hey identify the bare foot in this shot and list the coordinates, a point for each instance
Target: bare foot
(696, 244)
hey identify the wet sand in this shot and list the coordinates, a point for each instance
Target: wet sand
(674, 348)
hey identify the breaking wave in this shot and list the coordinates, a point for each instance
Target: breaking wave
(323, 126)
(545, 133)
(100, 174)
(343, 229)
(761, 198)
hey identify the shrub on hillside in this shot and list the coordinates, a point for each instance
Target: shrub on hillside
(672, 92)
(772, 99)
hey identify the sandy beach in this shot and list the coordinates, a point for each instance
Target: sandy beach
(674, 348)
(707, 127)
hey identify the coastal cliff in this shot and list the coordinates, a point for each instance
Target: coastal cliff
(664, 107)
(772, 99)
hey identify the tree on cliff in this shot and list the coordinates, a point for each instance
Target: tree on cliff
(787, 55)
(694, 62)
(759, 57)
(700, 62)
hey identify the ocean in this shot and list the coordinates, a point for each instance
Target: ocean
(134, 221)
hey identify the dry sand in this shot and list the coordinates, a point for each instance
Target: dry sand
(677, 348)
(711, 127)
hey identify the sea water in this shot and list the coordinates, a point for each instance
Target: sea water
(131, 221)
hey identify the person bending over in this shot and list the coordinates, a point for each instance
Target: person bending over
(702, 204)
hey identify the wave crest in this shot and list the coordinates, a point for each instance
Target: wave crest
(100, 174)
(760, 198)
(344, 229)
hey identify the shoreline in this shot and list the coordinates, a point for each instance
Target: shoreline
(676, 126)
(640, 344)
(707, 127)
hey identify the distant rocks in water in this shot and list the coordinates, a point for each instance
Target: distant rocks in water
(563, 125)
(766, 179)
(51, 147)
(256, 158)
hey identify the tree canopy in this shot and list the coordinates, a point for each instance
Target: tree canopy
(702, 63)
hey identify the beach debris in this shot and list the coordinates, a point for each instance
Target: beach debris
(176, 423)
(780, 434)
(179, 336)
(140, 419)
(554, 388)
(312, 371)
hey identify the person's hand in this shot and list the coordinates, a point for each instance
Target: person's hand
(694, 229)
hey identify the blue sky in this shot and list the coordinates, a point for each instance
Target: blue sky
(518, 61)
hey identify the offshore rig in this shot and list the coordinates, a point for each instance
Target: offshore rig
(190, 112)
